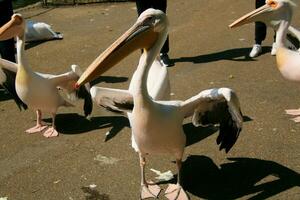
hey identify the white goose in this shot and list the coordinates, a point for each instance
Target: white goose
(278, 14)
(39, 91)
(157, 125)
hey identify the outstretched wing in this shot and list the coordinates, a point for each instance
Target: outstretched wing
(216, 106)
(8, 72)
(115, 100)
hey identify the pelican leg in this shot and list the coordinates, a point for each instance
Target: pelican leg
(39, 127)
(175, 191)
(51, 131)
(148, 190)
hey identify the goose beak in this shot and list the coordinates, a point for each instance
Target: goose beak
(259, 14)
(12, 28)
(139, 36)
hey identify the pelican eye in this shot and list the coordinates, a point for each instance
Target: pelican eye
(273, 4)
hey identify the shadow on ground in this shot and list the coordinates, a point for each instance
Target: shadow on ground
(92, 194)
(73, 123)
(243, 176)
(4, 96)
(240, 54)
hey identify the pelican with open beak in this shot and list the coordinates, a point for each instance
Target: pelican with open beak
(40, 91)
(157, 125)
(278, 14)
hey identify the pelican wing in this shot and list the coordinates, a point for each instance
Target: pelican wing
(11, 66)
(216, 106)
(115, 100)
(8, 72)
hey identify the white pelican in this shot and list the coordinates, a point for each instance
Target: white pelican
(39, 91)
(278, 14)
(157, 125)
(38, 31)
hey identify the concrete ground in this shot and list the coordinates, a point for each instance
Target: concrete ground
(264, 163)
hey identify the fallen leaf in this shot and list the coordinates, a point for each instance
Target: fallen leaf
(165, 176)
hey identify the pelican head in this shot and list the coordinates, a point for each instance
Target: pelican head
(14, 27)
(271, 13)
(150, 27)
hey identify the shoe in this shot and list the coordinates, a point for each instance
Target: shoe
(256, 50)
(274, 49)
(165, 60)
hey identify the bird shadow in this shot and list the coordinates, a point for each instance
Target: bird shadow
(109, 79)
(242, 176)
(4, 96)
(34, 44)
(73, 123)
(196, 134)
(238, 54)
(92, 194)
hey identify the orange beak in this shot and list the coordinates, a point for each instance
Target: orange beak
(139, 36)
(259, 14)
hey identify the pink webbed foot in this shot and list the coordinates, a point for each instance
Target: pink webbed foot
(176, 192)
(296, 119)
(294, 112)
(150, 190)
(50, 132)
(36, 129)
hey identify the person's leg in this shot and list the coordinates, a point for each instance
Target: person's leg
(260, 28)
(142, 5)
(260, 33)
(162, 5)
(7, 47)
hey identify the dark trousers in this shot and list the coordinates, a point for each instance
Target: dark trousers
(7, 47)
(260, 27)
(143, 5)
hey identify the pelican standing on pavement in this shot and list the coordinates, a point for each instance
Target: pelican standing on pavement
(278, 14)
(157, 125)
(39, 91)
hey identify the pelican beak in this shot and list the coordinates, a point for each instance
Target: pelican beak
(139, 36)
(12, 28)
(260, 14)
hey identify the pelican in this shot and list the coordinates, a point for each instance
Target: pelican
(39, 91)
(278, 14)
(157, 125)
(38, 31)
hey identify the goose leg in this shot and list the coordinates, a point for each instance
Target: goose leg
(51, 131)
(148, 190)
(39, 127)
(175, 191)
